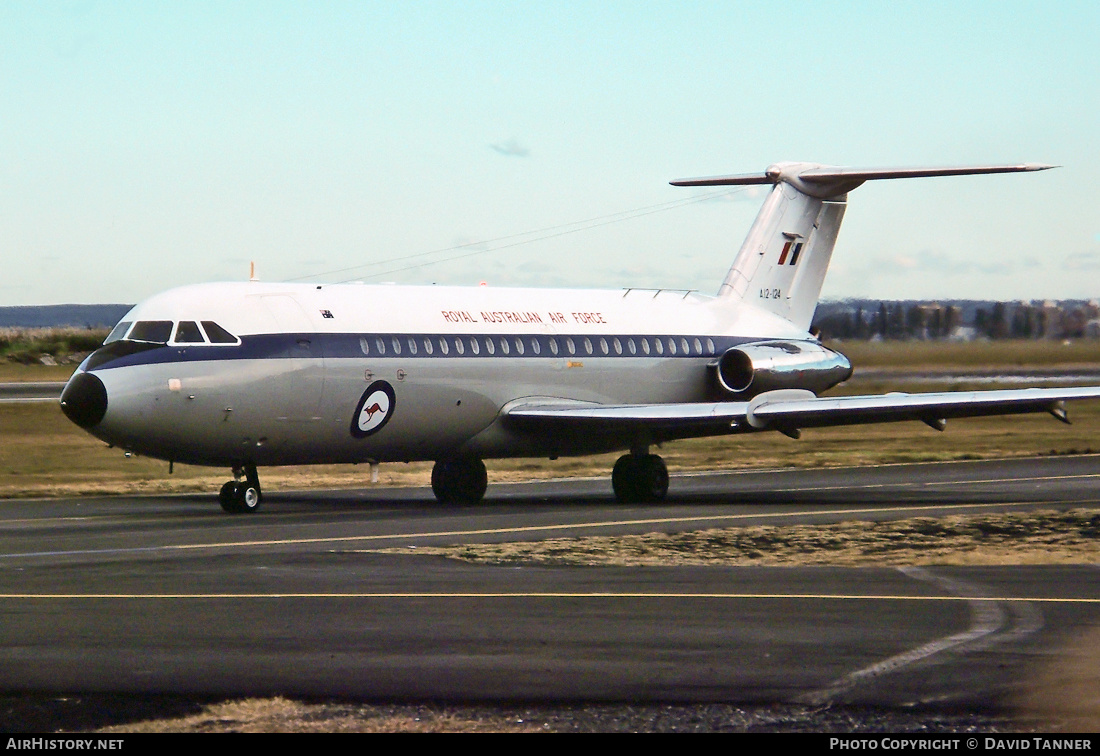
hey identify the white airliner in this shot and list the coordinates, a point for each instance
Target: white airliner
(249, 374)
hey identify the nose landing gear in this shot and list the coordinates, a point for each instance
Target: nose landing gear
(238, 496)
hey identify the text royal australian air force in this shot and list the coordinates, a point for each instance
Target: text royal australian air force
(523, 318)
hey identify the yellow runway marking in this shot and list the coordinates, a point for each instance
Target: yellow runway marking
(535, 595)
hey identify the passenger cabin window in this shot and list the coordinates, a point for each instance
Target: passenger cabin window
(118, 331)
(154, 331)
(187, 332)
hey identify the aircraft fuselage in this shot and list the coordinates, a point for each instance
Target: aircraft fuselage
(294, 390)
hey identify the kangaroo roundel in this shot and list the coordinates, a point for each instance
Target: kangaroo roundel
(374, 409)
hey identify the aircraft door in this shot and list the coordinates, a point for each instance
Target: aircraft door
(300, 378)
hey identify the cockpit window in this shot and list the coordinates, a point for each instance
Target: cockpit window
(217, 334)
(187, 332)
(118, 331)
(156, 331)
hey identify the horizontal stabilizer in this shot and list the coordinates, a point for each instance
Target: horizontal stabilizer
(822, 175)
(829, 180)
(738, 180)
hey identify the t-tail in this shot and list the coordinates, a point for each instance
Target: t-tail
(782, 263)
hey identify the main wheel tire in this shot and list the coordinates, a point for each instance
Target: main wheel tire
(459, 481)
(652, 482)
(227, 497)
(641, 478)
(624, 479)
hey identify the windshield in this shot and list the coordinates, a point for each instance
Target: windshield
(156, 331)
(117, 332)
(168, 331)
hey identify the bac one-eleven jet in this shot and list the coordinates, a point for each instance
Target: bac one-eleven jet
(244, 375)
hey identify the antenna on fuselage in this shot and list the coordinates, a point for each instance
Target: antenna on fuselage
(252, 271)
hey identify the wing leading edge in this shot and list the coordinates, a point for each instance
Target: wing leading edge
(787, 411)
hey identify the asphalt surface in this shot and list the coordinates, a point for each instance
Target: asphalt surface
(31, 391)
(168, 595)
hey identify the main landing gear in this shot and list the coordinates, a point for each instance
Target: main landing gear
(461, 480)
(242, 495)
(639, 478)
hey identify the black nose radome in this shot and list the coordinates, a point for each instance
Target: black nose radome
(84, 400)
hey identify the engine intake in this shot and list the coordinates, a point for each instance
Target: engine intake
(752, 369)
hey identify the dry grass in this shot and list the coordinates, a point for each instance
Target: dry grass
(284, 715)
(14, 372)
(1047, 537)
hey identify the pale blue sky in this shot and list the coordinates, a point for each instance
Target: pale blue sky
(149, 144)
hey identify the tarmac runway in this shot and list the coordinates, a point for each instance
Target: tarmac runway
(154, 595)
(31, 391)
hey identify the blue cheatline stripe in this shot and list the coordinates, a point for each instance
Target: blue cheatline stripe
(420, 346)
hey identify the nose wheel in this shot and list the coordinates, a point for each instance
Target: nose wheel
(241, 495)
(639, 478)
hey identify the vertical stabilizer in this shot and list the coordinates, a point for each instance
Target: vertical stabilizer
(782, 264)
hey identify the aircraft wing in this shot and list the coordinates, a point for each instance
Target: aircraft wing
(788, 411)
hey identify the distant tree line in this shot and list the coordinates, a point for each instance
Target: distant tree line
(931, 320)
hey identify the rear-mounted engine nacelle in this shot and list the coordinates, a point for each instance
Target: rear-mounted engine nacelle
(752, 369)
